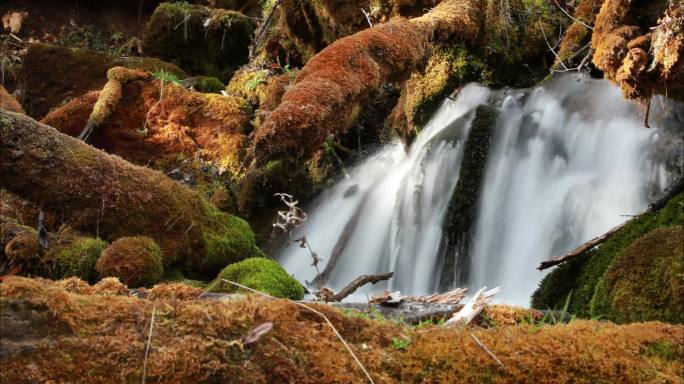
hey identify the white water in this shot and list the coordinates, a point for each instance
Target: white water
(566, 162)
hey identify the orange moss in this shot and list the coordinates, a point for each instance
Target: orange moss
(195, 340)
(173, 291)
(151, 126)
(578, 34)
(135, 261)
(641, 64)
(8, 103)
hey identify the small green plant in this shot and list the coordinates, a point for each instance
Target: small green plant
(166, 76)
(254, 83)
(116, 36)
(400, 344)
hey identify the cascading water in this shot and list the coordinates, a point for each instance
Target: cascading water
(568, 160)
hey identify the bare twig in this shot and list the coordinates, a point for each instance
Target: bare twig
(570, 16)
(367, 17)
(551, 48)
(479, 343)
(358, 362)
(358, 283)
(149, 339)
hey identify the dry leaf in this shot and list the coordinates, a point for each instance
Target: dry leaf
(13, 21)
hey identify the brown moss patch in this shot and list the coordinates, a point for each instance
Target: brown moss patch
(135, 261)
(8, 103)
(640, 47)
(99, 338)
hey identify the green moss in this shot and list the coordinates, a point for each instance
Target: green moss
(262, 274)
(79, 259)
(583, 274)
(463, 204)
(227, 239)
(176, 32)
(663, 349)
(645, 281)
(209, 84)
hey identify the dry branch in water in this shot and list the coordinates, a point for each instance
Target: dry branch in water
(327, 295)
(676, 188)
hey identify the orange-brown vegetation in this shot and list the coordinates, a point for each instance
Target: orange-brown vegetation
(640, 47)
(8, 103)
(51, 334)
(578, 34)
(52, 75)
(102, 194)
(151, 125)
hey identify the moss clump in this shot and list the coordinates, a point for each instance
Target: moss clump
(262, 274)
(646, 280)
(230, 240)
(79, 258)
(201, 40)
(136, 261)
(208, 84)
(582, 275)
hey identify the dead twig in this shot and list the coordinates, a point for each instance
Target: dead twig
(149, 340)
(356, 284)
(337, 333)
(479, 343)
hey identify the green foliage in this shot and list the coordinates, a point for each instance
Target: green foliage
(79, 259)
(259, 273)
(252, 84)
(401, 344)
(664, 349)
(166, 77)
(582, 275)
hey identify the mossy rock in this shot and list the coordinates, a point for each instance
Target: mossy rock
(262, 274)
(582, 275)
(136, 261)
(201, 40)
(646, 280)
(79, 258)
(208, 84)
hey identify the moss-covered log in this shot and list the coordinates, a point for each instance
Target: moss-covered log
(331, 89)
(50, 334)
(100, 193)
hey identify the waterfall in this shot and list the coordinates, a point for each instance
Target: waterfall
(568, 161)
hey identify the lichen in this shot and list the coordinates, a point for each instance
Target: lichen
(262, 274)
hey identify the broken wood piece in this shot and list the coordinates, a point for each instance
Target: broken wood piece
(481, 299)
(353, 286)
(452, 297)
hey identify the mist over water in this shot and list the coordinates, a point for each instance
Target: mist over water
(567, 162)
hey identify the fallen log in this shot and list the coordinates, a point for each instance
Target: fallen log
(104, 195)
(479, 302)
(676, 188)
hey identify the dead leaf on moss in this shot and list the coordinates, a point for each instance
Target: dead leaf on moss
(13, 21)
